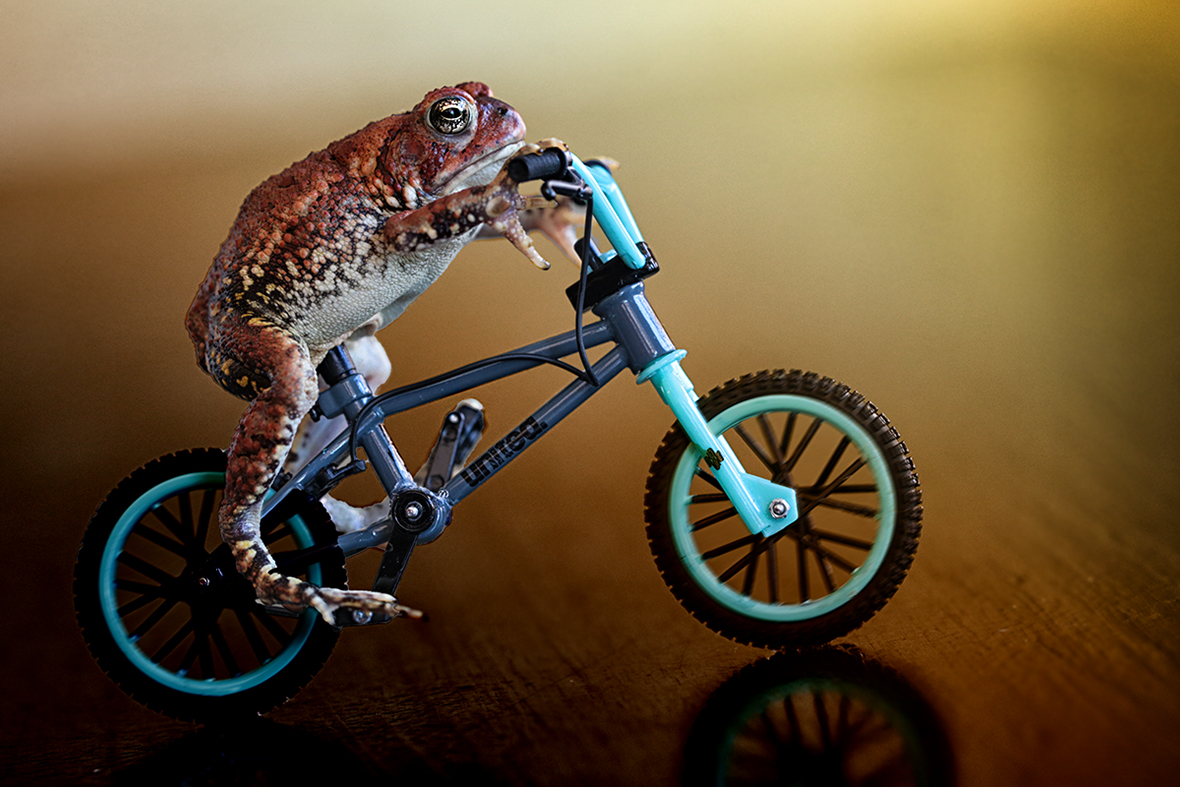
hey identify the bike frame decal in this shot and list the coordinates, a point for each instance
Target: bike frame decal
(545, 418)
(503, 451)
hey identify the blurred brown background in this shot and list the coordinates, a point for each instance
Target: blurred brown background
(966, 210)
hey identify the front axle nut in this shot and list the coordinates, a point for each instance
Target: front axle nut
(779, 508)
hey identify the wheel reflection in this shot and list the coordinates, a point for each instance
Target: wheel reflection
(826, 716)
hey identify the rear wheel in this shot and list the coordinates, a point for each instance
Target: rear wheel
(859, 507)
(166, 615)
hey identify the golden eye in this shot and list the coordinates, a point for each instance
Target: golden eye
(451, 115)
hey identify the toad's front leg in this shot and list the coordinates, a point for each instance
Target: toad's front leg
(497, 205)
(283, 379)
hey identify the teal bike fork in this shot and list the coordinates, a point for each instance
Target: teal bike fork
(765, 507)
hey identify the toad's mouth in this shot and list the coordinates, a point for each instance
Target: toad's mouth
(481, 171)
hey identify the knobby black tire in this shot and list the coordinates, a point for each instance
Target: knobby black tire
(166, 616)
(829, 572)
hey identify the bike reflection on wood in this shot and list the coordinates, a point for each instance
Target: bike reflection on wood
(826, 716)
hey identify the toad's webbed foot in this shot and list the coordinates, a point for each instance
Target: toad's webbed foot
(559, 222)
(329, 601)
(295, 595)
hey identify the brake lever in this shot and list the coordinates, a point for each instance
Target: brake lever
(575, 190)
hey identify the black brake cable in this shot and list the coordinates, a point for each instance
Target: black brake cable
(585, 374)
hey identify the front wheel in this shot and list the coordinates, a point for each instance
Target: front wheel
(859, 505)
(166, 615)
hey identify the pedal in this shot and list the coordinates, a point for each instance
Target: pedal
(460, 432)
(358, 618)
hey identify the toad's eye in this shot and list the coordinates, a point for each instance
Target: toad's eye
(451, 115)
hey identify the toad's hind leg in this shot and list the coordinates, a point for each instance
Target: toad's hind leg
(285, 378)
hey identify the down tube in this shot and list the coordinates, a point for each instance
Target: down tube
(549, 415)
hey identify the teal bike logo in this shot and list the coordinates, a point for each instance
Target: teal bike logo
(499, 454)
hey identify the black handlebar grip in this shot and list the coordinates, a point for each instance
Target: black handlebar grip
(549, 163)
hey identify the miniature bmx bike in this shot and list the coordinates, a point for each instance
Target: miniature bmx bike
(782, 508)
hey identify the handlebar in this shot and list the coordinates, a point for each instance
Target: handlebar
(547, 164)
(585, 181)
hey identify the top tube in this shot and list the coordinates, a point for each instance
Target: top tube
(612, 213)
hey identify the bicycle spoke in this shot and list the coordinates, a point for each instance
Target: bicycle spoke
(772, 569)
(195, 650)
(830, 488)
(142, 601)
(768, 437)
(165, 518)
(204, 517)
(858, 722)
(250, 629)
(852, 508)
(804, 441)
(275, 525)
(833, 461)
(205, 656)
(152, 620)
(161, 540)
(268, 623)
(857, 543)
(810, 541)
(185, 504)
(772, 732)
(707, 478)
(793, 719)
(801, 570)
(770, 464)
(218, 637)
(732, 545)
(720, 516)
(136, 563)
(832, 557)
(719, 497)
(752, 571)
(825, 571)
(842, 717)
(732, 571)
(788, 432)
(169, 646)
(853, 489)
(130, 585)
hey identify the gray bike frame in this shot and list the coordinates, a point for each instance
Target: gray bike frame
(627, 320)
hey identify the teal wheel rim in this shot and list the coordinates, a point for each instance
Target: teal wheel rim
(722, 590)
(129, 645)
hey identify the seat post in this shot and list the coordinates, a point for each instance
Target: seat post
(336, 366)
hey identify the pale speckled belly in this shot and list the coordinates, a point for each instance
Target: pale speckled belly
(380, 297)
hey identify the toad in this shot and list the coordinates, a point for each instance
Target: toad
(325, 253)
